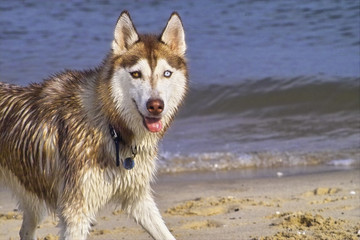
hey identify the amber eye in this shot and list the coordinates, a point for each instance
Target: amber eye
(136, 74)
(167, 74)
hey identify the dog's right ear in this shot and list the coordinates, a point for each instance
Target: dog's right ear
(125, 34)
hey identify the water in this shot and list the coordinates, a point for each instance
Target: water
(273, 83)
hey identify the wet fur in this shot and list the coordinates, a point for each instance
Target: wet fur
(56, 152)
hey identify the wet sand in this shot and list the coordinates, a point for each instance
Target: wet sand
(310, 206)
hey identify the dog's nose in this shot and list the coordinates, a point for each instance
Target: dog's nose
(155, 106)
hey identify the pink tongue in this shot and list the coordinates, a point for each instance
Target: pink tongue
(153, 124)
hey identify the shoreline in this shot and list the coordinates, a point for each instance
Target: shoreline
(253, 172)
(228, 205)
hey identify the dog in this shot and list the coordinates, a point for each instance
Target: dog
(81, 139)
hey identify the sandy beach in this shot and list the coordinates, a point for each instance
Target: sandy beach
(273, 98)
(229, 206)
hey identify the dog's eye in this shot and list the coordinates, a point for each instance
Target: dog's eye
(167, 74)
(136, 74)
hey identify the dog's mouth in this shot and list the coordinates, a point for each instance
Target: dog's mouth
(153, 124)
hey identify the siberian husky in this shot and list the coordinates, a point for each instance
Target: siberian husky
(82, 139)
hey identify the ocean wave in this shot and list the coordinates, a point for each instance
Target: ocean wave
(276, 97)
(219, 161)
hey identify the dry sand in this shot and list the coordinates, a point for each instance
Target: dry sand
(312, 206)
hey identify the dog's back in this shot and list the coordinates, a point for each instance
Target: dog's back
(29, 140)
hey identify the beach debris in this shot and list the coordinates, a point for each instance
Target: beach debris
(301, 232)
(196, 225)
(117, 212)
(51, 237)
(98, 232)
(320, 191)
(214, 206)
(352, 193)
(293, 225)
(204, 206)
(342, 162)
(279, 174)
(325, 191)
(10, 216)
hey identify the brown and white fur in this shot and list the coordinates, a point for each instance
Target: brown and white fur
(56, 150)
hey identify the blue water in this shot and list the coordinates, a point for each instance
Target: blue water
(273, 83)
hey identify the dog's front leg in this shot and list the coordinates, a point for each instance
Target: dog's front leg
(74, 214)
(74, 225)
(148, 216)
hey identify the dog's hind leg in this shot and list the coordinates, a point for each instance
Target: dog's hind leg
(148, 216)
(33, 213)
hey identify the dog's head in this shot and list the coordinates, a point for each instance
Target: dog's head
(149, 76)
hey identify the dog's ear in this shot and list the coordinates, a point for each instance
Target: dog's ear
(173, 34)
(125, 34)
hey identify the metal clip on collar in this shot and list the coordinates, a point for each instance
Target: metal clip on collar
(117, 140)
(129, 162)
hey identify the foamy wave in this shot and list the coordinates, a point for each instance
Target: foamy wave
(175, 162)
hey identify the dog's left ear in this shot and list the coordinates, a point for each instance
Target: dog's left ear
(174, 34)
(125, 34)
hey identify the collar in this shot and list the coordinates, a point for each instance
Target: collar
(129, 162)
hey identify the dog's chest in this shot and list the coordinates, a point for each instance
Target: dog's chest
(101, 184)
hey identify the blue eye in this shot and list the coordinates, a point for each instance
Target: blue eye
(167, 74)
